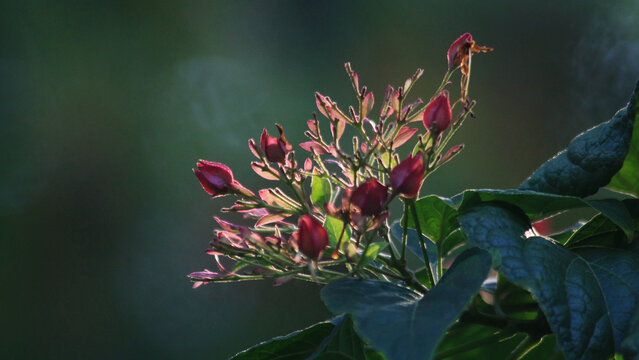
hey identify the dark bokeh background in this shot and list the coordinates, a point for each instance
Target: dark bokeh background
(105, 107)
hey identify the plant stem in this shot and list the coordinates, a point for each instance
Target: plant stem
(422, 243)
(405, 231)
(494, 338)
(524, 346)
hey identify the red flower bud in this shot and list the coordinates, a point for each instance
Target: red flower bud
(406, 178)
(311, 238)
(438, 114)
(459, 52)
(217, 179)
(275, 149)
(370, 197)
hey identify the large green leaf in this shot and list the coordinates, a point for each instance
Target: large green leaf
(326, 340)
(586, 295)
(627, 179)
(591, 160)
(399, 322)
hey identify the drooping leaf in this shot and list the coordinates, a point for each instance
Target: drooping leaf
(334, 339)
(587, 295)
(320, 191)
(626, 179)
(399, 322)
(591, 160)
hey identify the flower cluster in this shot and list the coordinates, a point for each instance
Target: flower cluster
(328, 210)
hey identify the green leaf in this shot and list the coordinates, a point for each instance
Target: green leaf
(320, 191)
(436, 217)
(326, 340)
(601, 231)
(591, 160)
(334, 228)
(627, 180)
(372, 252)
(399, 322)
(586, 295)
(598, 231)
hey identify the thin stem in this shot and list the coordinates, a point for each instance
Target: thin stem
(470, 61)
(385, 272)
(399, 265)
(494, 338)
(422, 243)
(440, 266)
(359, 263)
(231, 279)
(524, 346)
(404, 232)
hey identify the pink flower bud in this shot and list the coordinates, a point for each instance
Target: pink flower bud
(370, 197)
(311, 238)
(275, 149)
(459, 52)
(217, 179)
(406, 178)
(438, 114)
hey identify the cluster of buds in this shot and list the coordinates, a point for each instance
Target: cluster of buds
(329, 209)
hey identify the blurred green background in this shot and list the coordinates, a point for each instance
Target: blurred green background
(106, 106)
